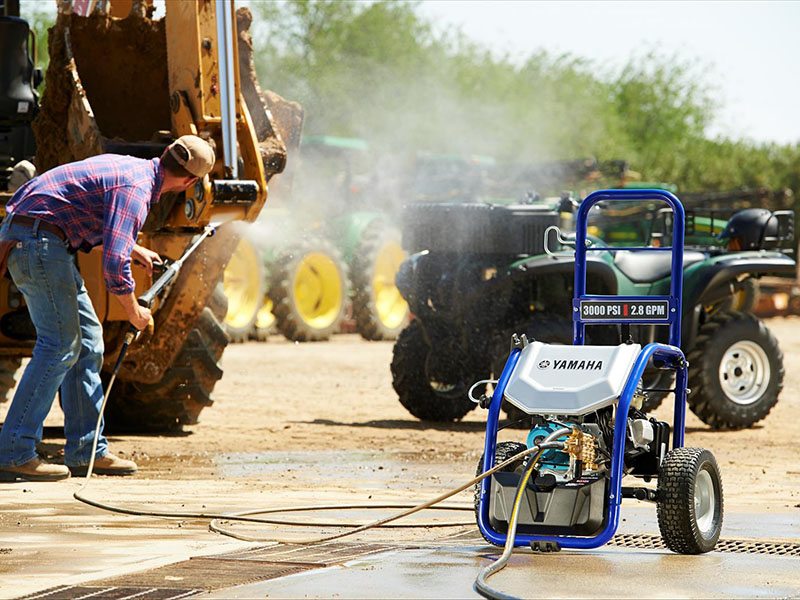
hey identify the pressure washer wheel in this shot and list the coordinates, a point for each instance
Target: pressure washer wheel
(735, 371)
(503, 451)
(690, 503)
(431, 382)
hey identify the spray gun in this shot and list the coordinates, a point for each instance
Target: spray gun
(149, 297)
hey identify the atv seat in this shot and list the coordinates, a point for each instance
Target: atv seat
(647, 267)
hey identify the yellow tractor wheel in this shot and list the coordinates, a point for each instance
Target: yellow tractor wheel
(380, 311)
(243, 282)
(308, 289)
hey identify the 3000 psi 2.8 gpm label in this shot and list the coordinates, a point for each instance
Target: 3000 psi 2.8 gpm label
(624, 310)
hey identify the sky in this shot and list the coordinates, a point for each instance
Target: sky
(748, 52)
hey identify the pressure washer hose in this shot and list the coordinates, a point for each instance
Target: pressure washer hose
(481, 586)
(409, 509)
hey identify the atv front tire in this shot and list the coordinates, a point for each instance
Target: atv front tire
(735, 371)
(380, 311)
(184, 391)
(421, 393)
(308, 290)
(690, 502)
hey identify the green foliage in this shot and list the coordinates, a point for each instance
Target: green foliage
(379, 71)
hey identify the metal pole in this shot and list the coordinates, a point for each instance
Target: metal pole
(227, 80)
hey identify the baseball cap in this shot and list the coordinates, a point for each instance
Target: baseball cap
(194, 154)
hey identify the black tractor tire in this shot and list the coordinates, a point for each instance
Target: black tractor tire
(503, 451)
(9, 367)
(546, 328)
(722, 335)
(185, 389)
(380, 312)
(289, 316)
(416, 391)
(689, 501)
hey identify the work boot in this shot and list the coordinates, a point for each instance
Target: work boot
(107, 465)
(34, 470)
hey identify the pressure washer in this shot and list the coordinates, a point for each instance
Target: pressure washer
(585, 402)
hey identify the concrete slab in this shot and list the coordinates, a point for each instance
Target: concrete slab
(449, 570)
(607, 573)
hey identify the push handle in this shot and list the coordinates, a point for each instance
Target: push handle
(676, 283)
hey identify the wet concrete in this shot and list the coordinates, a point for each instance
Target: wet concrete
(607, 573)
(448, 570)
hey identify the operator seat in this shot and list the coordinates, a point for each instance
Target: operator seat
(650, 266)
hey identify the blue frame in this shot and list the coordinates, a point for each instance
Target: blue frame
(666, 355)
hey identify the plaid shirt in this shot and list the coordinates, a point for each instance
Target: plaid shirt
(101, 200)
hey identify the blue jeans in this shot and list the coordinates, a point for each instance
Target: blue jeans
(68, 353)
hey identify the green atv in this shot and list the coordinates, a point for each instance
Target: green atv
(479, 273)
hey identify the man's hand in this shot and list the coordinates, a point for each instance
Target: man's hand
(139, 316)
(145, 257)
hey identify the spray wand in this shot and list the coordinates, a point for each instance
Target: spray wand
(149, 297)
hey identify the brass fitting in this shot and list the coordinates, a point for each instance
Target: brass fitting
(583, 447)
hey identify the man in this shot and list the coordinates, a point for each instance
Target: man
(103, 200)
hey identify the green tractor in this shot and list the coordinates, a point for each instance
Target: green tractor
(331, 258)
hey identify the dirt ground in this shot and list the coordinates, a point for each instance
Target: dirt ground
(281, 405)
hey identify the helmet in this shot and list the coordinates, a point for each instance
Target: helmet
(751, 229)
